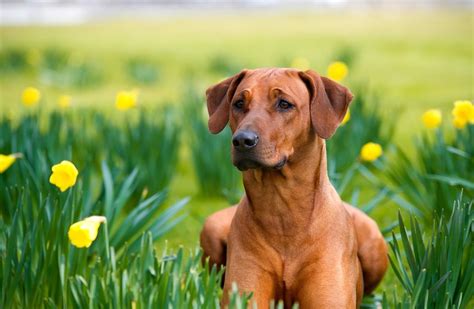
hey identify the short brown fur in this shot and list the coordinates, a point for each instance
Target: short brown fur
(291, 237)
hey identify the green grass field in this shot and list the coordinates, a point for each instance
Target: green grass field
(413, 60)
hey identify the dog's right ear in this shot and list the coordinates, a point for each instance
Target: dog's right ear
(218, 101)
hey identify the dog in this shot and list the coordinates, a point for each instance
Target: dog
(291, 237)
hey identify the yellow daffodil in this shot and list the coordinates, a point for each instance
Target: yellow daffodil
(7, 160)
(83, 233)
(64, 175)
(337, 71)
(346, 118)
(64, 101)
(432, 118)
(371, 152)
(31, 96)
(463, 113)
(126, 99)
(300, 63)
(459, 123)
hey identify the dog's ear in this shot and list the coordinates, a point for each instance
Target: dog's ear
(218, 101)
(328, 102)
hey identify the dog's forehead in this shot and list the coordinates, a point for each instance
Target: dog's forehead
(265, 80)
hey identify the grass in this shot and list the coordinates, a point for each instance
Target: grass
(435, 273)
(442, 170)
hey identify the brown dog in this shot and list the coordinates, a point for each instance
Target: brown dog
(291, 237)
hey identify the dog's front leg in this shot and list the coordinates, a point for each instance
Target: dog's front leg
(214, 236)
(330, 283)
(249, 278)
(250, 267)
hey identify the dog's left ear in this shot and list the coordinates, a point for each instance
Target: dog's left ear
(328, 102)
(218, 101)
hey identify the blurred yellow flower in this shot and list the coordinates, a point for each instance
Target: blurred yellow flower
(346, 118)
(84, 232)
(371, 152)
(31, 96)
(64, 101)
(337, 71)
(463, 113)
(63, 175)
(432, 118)
(459, 123)
(300, 63)
(7, 160)
(126, 99)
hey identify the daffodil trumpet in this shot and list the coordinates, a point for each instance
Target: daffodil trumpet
(371, 152)
(64, 175)
(7, 160)
(83, 233)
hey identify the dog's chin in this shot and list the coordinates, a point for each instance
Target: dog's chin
(247, 164)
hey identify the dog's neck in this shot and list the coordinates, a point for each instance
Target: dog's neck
(288, 200)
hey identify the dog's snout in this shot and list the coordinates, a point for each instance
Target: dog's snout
(245, 140)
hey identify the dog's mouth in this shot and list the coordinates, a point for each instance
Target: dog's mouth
(252, 163)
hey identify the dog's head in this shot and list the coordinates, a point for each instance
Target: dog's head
(274, 112)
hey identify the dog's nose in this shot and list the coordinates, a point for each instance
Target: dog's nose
(245, 140)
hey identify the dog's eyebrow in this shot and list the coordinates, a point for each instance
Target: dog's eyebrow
(243, 93)
(278, 90)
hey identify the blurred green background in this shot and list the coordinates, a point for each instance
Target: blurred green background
(412, 59)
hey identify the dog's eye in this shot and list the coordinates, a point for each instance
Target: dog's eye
(282, 104)
(239, 104)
